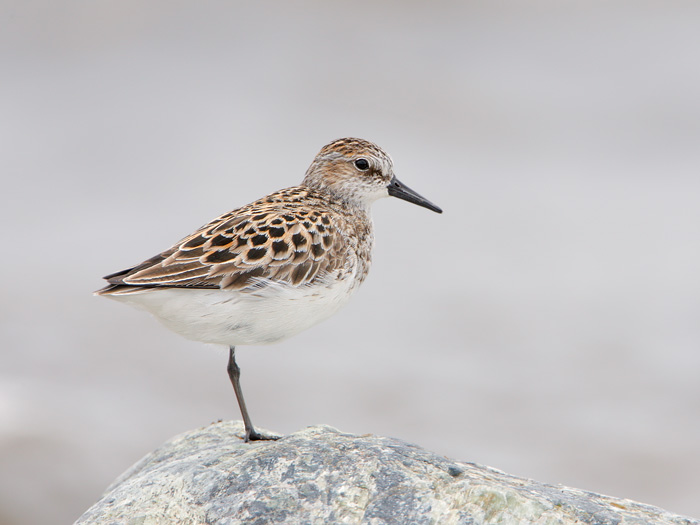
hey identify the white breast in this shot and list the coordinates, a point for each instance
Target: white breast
(268, 315)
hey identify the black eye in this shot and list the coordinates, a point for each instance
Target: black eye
(362, 164)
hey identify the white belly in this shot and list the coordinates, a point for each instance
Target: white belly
(241, 318)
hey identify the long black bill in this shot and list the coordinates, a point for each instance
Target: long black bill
(400, 190)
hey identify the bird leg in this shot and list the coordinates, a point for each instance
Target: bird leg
(234, 373)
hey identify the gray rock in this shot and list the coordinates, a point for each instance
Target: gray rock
(321, 475)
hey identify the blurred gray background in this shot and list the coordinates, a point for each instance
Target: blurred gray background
(547, 324)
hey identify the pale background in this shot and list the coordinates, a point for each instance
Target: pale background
(547, 324)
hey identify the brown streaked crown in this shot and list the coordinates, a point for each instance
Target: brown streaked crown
(352, 147)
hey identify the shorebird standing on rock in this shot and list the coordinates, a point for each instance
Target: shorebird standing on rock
(266, 271)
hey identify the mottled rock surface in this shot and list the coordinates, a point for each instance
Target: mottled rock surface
(321, 475)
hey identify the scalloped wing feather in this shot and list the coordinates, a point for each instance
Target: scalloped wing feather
(277, 239)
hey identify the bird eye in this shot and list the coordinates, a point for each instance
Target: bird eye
(362, 164)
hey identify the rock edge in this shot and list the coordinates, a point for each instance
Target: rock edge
(321, 475)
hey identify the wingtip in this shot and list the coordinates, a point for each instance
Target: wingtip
(103, 291)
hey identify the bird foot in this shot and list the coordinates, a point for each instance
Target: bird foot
(252, 435)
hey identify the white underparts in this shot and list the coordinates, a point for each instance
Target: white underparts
(266, 315)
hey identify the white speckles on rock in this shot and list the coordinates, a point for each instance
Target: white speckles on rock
(320, 475)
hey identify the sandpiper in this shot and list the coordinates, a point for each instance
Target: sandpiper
(266, 271)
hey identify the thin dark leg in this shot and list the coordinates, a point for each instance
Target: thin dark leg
(234, 373)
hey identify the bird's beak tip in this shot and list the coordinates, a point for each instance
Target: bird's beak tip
(401, 191)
